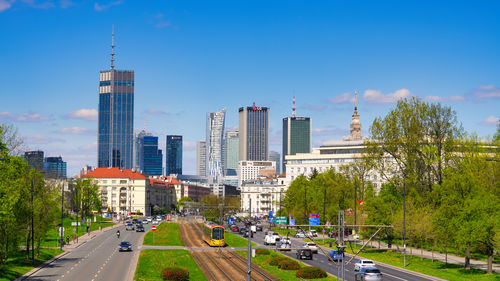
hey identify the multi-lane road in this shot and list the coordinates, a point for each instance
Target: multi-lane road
(97, 259)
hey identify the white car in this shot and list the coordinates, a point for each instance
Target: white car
(271, 238)
(149, 219)
(312, 246)
(312, 233)
(299, 235)
(285, 244)
(155, 222)
(144, 221)
(363, 263)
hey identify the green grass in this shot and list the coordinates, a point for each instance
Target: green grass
(262, 261)
(17, 265)
(233, 240)
(426, 266)
(166, 234)
(50, 239)
(151, 262)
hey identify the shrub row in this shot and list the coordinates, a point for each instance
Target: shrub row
(175, 274)
(263, 252)
(311, 272)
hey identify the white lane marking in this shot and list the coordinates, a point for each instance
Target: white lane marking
(394, 276)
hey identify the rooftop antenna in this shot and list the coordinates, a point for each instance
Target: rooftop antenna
(355, 101)
(113, 48)
(293, 107)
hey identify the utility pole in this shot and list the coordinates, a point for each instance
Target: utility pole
(404, 220)
(220, 214)
(249, 262)
(324, 202)
(305, 204)
(62, 214)
(32, 223)
(355, 202)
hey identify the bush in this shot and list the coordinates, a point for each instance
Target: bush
(287, 264)
(311, 272)
(274, 261)
(175, 273)
(262, 252)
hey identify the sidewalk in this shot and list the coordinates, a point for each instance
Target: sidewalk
(69, 248)
(452, 259)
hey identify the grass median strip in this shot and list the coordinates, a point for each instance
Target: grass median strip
(166, 234)
(17, 264)
(233, 240)
(151, 263)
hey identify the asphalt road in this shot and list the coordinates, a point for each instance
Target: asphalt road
(97, 259)
(320, 260)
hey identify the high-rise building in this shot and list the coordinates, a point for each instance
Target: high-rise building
(150, 158)
(275, 157)
(116, 117)
(34, 159)
(54, 167)
(215, 133)
(201, 158)
(254, 133)
(231, 148)
(173, 160)
(297, 135)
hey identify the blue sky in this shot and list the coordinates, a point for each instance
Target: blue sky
(192, 57)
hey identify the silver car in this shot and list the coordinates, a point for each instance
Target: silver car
(368, 274)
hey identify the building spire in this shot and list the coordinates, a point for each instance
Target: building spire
(355, 102)
(293, 107)
(113, 48)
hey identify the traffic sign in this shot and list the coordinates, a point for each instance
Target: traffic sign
(313, 219)
(280, 220)
(324, 231)
(153, 228)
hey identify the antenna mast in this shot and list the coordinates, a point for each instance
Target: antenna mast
(113, 48)
(293, 107)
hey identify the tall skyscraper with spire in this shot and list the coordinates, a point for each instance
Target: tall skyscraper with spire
(297, 135)
(355, 124)
(116, 116)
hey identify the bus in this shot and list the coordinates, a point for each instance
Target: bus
(213, 234)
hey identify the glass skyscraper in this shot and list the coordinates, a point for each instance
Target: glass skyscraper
(54, 167)
(150, 158)
(34, 159)
(296, 136)
(254, 133)
(231, 153)
(215, 133)
(173, 160)
(116, 118)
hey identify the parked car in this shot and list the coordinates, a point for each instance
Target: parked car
(336, 255)
(368, 274)
(299, 235)
(312, 246)
(129, 226)
(312, 233)
(363, 263)
(139, 228)
(304, 254)
(235, 228)
(125, 246)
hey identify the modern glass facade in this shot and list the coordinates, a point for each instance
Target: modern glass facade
(296, 136)
(275, 157)
(54, 167)
(150, 158)
(116, 119)
(34, 159)
(254, 133)
(215, 133)
(231, 146)
(201, 158)
(173, 160)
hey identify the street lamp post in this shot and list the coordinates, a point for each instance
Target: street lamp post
(305, 203)
(404, 219)
(62, 215)
(32, 224)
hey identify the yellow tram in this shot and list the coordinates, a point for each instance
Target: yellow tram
(213, 234)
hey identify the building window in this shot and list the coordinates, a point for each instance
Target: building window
(113, 181)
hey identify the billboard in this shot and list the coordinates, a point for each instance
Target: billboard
(313, 219)
(280, 220)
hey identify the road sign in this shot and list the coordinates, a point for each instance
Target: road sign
(270, 214)
(324, 231)
(280, 220)
(153, 228)
(230, 220)
(292, 221)
(313, 219)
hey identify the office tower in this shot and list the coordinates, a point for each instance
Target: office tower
(231, 148)
(275, 157)
(54, 168)
(215, 131)
(150, 158)
(116, 117)
(201, 158)
(173, 161)
(254, 133)
(34, 159)
(297, 135)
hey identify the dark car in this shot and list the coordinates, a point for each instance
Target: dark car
(139, 228)
(134, 221)
(125, 246)
(235, 228)
(243, 230)
(304, 254)
(259, 227)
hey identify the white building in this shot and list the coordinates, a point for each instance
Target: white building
(252, 170)
(266, 196)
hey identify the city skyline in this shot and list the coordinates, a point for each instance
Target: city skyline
(191, 58)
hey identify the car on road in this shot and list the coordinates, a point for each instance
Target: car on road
(312, 233)
(144, 221)
(299, 235)
(155, 222)
(304, 254)
(312, 246)
(149, 219)
(258, 227)
(135, 221)
(336, 255)
(139, 228)
(125, 246)
(368, 274)
(363, 263)
(272, 238)
(243, 230)
(285, 244)
(129, 226)
(234, 228)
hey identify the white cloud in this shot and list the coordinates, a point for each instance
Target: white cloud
(86, 114)
(490, 121)
(100, 8)
(375, 96)
(26, 117)
(4, 5)
(443, 99)
(485, 92)
(343, 98)
(76, 131)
